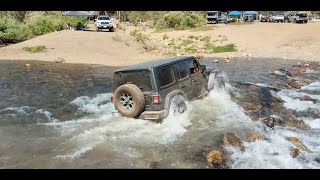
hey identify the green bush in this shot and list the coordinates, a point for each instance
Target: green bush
(35, 49)
(181, 20)
(11, 30)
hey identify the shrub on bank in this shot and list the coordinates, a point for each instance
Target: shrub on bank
(13, 31)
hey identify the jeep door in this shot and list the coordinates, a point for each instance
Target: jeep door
(197, 78)
(184, 81)
(167, 82)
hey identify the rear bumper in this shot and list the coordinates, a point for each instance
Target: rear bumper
(105, 27)
(148, 115)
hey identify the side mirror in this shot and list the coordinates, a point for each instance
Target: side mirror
(203, 68)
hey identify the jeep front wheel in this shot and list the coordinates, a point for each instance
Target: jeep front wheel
(129, 100)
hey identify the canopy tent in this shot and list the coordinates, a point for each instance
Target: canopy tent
(250, 13)
(234, 13)
(77, 13)
(94, 13)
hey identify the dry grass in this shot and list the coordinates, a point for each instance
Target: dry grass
(202, 28)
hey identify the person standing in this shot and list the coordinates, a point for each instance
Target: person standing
(117, 22)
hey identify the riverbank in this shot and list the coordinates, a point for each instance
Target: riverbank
(262, 40)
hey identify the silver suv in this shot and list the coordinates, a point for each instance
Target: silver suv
(297, 17)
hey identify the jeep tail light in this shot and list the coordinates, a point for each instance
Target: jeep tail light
(112, 99)
(156, 99)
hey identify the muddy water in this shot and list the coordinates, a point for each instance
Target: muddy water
(59, 116)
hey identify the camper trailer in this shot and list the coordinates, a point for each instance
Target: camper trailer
(215, 17)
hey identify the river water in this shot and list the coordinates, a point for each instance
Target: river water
(59, 116)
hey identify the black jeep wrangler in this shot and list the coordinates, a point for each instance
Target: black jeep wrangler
(146, 90)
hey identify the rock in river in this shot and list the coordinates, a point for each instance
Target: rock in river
(233, 140)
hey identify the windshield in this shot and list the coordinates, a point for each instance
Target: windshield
(103, 18)
(211, 13)
(302, 15)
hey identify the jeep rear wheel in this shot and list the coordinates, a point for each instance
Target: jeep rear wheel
(129, 100)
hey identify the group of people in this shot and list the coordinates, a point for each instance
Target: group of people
(78, 27)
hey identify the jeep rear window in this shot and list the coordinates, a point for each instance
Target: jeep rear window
(166, 76)
(182, 69)
(140, 78)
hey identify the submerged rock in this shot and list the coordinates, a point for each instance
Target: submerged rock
(253, 136)
(295, 141)
(294, 152)
(297, 124)
(251, 106)
(307, 98)
(233, 140)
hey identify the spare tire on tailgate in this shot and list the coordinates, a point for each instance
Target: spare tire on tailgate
(129, 100)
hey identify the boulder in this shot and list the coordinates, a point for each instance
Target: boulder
(215, 61)
(277, 73)
(233, 140)
(253, 136)
(294, 152)
(216, 158)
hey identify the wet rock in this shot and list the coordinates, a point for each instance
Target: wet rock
(275, 154)
(253, 136)
(226, 58)
(307, 98)
(251, 106)
(216, 158)
(294, 152)
(272, 121)
(233, 140)
(28, 65)
(315, 113)
(215, 61)
(226, 61)
(200, 57)
(60, 60)
(277, 73)
(306, 65)
(295, 85)
(295, 141)
(154, 165)
(277, 105)
(296, 124)
(317, 159)
(254, 88)
(296, 71)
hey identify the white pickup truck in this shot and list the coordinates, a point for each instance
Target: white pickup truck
(103, 22)
(276, 18)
